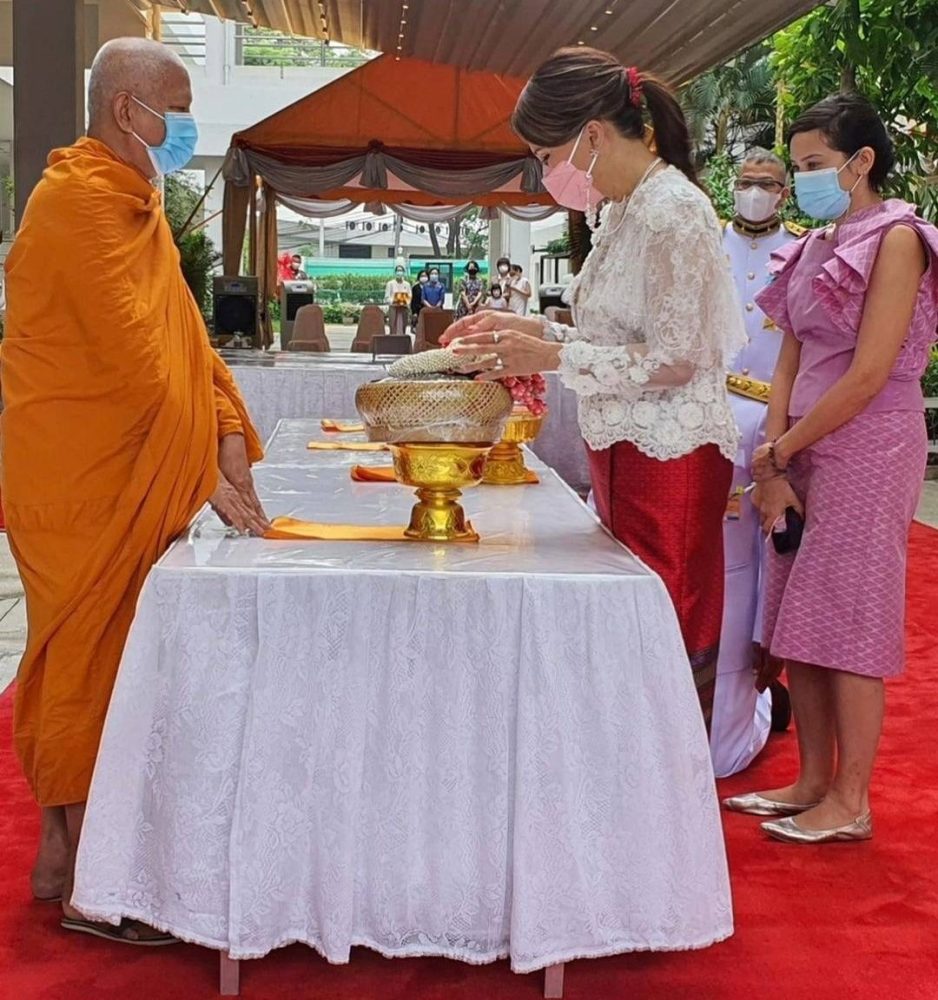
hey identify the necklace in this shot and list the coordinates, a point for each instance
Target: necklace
(755, 231)
(628, 201)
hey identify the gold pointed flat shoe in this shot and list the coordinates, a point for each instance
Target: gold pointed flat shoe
(788, 830)
(757, 805)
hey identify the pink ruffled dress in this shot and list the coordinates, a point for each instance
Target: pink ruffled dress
(839, 601)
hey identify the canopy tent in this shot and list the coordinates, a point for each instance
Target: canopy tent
(425, 139)
(676, 39)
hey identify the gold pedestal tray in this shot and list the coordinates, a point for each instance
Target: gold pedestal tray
(439, 471)
(439, 431)
(505, 465)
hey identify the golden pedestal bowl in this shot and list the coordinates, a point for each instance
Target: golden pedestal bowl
(440, 431)
(505, 465)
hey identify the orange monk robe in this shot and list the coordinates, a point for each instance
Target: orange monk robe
(114, 404)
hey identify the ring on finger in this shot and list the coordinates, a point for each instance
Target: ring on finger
(495, 337)
(499, 364)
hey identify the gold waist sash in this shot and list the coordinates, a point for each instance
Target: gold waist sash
(751, 388)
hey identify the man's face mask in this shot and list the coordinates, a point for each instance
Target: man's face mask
(178, 145)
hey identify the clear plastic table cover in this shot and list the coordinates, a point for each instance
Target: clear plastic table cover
(293, 387)
(474, 751)
(536, 529)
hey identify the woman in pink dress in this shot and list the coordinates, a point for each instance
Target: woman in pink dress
(858, 304)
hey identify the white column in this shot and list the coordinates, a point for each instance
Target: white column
(517, 245)
(215, 50)
(496, 233)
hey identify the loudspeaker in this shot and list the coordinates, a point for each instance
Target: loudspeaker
(293, 296)
(234, 306)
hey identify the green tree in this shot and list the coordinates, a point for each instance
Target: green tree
(888, 51)
(733, 105)
(197, 254)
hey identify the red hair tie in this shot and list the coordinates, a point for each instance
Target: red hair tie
(635, 86)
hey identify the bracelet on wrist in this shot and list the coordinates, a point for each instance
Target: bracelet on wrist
(773, 457)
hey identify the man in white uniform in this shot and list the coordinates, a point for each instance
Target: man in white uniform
(742, 716)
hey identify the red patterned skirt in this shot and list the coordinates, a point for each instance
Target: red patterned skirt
(670, 514)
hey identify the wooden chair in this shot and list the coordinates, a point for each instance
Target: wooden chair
(370, 324)
(430, 326)
(309, 331)
(392, 344)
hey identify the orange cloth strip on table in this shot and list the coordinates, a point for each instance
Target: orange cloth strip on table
(285, 528)
(346, 446)
(341, 426)
(290, 529)
(373, 474)
(119, 356)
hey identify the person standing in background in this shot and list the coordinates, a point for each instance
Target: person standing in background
(497, 298)
(471, 291)
(433, 292)
(519, 290)
(397, 294)
(502, 269)
(745, 709)
(416, 298)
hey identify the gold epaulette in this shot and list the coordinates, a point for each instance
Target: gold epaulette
(795, 229)
(751, 388)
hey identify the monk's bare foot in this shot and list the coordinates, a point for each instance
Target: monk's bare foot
(52, 859)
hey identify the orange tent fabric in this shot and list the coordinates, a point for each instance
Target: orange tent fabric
(113, 406)
(428, 114)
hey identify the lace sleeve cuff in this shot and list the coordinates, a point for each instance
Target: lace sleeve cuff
(592, 371)
(560, 332)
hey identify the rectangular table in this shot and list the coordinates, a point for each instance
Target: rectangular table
(291, 385)
(474, 751)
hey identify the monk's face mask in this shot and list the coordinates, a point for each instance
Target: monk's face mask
(178, 145)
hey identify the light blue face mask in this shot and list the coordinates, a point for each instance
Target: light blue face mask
(178, 145)
(819, 194)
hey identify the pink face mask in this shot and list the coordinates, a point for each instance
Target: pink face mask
(571, 187)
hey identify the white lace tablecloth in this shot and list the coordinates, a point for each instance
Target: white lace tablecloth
(473, 751)
(288, 386)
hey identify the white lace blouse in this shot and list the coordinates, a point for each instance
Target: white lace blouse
(656, 320)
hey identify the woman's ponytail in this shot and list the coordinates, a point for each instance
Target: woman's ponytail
(672, 136)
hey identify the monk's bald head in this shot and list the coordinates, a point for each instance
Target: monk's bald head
(128, 76)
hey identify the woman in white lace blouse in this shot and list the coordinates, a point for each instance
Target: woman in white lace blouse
(656, 319)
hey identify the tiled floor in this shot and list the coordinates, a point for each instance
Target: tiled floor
(13, 606)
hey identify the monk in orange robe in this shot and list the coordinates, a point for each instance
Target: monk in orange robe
(119, 423)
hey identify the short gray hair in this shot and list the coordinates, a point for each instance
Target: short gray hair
(137, 65)
(758, 155)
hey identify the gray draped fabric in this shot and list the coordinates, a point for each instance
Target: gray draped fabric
(372, 170)
(315, 209)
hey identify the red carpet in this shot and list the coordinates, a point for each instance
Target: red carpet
(826, 923)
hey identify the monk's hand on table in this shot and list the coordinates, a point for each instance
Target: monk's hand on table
(765, 667)
(235, 511)
(771, 497)
(235, 467)
(490, 321)
(508, 352)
